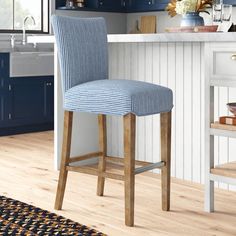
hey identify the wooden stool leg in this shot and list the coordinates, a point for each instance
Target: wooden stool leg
(65, 156)
(103, 149)
(129, 165)
(166, 157)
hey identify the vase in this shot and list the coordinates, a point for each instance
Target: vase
(192, 19)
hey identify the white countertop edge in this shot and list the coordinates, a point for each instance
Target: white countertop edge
(172, 37)
(151, 38)
(41, 39)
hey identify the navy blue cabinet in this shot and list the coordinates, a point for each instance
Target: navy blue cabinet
(140, 5)
(28, 100)
(146, 5)
(27, 103)
(96, 5)
(4, 96)
(124, 5)
(119, 5)
(106, 5)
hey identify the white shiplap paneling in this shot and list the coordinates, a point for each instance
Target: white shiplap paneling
(179, 66)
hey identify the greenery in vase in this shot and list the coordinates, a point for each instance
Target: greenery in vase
(181, 7)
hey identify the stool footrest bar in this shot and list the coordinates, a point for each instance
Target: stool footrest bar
(120, 160)
(149, 167)
(85, 157)
(93, 171)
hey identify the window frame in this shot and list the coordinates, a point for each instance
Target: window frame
(31, 31)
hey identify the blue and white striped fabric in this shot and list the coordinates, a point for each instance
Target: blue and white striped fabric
(82, 49)
(83, 56)
(119, 97)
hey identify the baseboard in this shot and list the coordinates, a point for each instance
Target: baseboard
(26, 129)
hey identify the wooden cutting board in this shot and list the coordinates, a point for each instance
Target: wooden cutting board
(192, 29)
(148, 24)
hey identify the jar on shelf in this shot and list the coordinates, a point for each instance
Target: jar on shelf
(79, 3)
(70, 4)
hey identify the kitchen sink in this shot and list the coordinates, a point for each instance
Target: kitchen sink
(25, 48)
(31, 63)
(30, 48)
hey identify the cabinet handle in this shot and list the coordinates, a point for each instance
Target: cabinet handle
(233, 57)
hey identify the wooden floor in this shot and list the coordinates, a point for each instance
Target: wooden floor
(26, 174)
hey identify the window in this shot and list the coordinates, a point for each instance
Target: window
(13, 12)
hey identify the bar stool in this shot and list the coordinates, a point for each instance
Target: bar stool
(83, 57)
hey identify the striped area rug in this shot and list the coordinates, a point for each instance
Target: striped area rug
(18, 218)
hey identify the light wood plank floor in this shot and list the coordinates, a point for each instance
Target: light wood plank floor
(26, 174)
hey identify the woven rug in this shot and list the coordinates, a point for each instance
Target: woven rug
(18, 218)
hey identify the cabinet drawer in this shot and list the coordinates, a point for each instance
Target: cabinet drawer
(224, 63)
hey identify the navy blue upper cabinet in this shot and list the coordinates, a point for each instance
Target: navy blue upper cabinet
(119, 5)
(107, 5)
(139, 5)
(145, 5)
(116, 5)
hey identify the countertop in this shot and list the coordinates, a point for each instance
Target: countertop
(162, 37)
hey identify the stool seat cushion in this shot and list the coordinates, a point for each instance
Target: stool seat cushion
(119, 97)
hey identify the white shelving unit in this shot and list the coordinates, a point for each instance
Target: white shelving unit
(220, 71)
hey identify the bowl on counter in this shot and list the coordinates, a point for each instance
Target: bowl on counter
(232, 107)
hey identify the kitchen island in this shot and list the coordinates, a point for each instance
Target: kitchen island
(183, 62)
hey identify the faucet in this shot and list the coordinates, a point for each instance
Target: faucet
(13, 40)
(24, 23)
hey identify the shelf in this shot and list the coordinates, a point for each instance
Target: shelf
(223, 82)
(227, 170)
(217, 125)
(89, 9)
(223, 130)
(77, 9)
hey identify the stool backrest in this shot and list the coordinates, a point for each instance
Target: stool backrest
(82, 49)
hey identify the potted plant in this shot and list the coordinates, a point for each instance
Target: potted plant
(189, 9)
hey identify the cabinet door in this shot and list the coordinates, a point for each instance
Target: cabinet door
(4, 76)
(139, 5)
(115, 5)
(49, 100)
(107, 5)
(60, 3)
(27, 101)
(161, 4)
(146, 5)
(4, 102)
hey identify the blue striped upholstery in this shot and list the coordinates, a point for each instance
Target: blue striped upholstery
(119, 97)
(83, 56)
(82, 49)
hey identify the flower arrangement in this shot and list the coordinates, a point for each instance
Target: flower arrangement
(183, 6)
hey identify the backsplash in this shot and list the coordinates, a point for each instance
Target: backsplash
(164, 20)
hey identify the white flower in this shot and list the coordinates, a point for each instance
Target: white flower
(184, 6)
